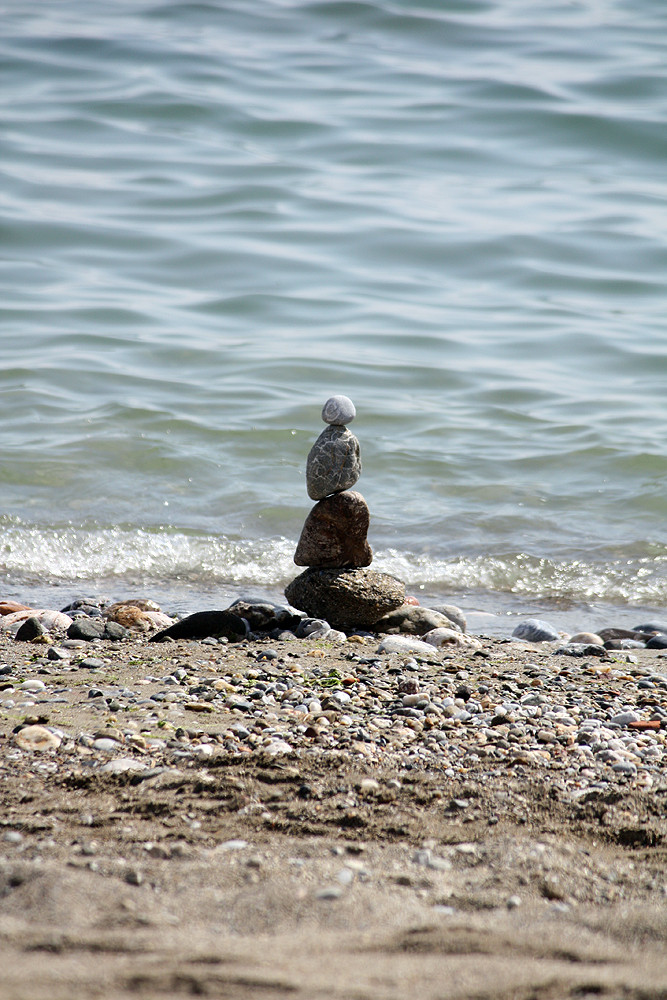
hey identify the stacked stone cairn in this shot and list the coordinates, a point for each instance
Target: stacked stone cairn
(337, 586)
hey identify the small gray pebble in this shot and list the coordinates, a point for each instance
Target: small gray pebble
(57, 653)
(338, 410)
(535, 630)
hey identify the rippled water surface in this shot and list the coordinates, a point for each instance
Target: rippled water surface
(215, 215)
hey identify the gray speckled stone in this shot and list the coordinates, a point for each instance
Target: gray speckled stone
(338, 410)
(334, 463)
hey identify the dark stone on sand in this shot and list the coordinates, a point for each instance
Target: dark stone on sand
(582, 649)
(413, 620)
(262, 616)
(96, 628)
(657, 642)
(624, 644)
(203, 624)
(31, 629)
(115, 631)
(616, 633)
(85, 605)
(346, 598)
(86, 628)
(535, 630)
(652, 627)
(334, 534)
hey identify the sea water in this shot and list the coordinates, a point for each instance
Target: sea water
(215, 215)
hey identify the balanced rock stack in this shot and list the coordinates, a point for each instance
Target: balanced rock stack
(333, 543)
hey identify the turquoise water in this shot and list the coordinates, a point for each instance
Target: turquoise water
(215, 215)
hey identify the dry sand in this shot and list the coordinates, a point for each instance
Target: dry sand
(314, 875)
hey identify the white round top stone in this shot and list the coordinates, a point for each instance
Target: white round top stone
(338, 410)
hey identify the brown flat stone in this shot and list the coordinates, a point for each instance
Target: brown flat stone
(334, 534)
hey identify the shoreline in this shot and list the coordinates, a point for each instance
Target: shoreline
(196, 831)
(491, 613)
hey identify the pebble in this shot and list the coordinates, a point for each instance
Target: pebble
(338, 410)
(330, 892)
(586, 720)
(105, 744)
(37, 738)
(123, 765)
(587, 639)
(30, 630)
(57, 653)
(33, 685)
(405, 644)
(535, 630)
(448, 637)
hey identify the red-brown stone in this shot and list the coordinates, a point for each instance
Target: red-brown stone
(334, 534)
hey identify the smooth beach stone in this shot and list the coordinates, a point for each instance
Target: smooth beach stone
(48, 618)
(413, 620)
(57, 653)
(453, 613)
(338, 410)
(333, 464)
(405, 644)
(86, 628)
(352, 597)
(657, 642)
(33, 684)
(625, 718)
(123, 765)
(312, 628)
(105, 744)
(651, 627)
(11, 607)
(447, 637)
(29, 630)
(36, 738)
(203, 624)
(616, 633)
(263, 616)
(624, 644)
(587, 639)
(535, 630)
(115, 631)
(334, 534)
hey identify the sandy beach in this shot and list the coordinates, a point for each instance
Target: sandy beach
(170, 848)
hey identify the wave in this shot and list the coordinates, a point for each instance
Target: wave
(126, 555)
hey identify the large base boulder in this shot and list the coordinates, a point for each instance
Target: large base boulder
(346, 598)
